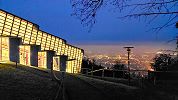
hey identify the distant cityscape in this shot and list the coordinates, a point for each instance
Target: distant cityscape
(137, 61)
(141, 57)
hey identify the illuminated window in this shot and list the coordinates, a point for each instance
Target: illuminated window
(2, 13)
(63, 48)
(69, 68)
(22, 31)
(24, 53)
(27, 38)
(39, 37)
(56, 44)
(56, 63)
(23, 22)
(10, 17)
(34, 36)
(5, 33)
(4, 49)
(43, 41)
(2, 19)
(47, 45)
(66, 49)
(17, 20)
(52, 43)
(42, 59)
(15, 29)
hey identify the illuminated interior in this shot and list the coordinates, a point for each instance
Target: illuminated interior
(24, 54)
(56, 63)
(42, 59)
(4, 49)
(12, 25)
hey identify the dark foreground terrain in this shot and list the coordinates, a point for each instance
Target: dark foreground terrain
(25, 83)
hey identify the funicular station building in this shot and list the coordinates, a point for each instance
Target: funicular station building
(22, 41)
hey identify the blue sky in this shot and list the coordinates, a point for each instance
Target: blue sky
(54, 16)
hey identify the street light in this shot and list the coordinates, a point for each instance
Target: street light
(128, 51)
(177, 39)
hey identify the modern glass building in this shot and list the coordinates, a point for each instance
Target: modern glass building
(30, 34)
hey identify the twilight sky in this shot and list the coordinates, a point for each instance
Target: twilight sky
(54, 16)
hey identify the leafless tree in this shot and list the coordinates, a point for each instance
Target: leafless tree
(86, 10)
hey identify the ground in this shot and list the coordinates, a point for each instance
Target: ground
(26, 83)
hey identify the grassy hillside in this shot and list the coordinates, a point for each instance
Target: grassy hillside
(25, 84)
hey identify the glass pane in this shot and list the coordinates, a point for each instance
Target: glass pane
(5, 49)
(56, 63)
(42, 60)
(24, 52)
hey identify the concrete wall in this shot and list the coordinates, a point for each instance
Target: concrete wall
(50, 55)
(14, 48)
(34, 54)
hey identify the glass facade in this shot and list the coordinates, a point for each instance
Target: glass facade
(11, 25)
(4, 49)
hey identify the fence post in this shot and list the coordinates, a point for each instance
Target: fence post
(123, 73)
(139, 79)
(92, 70)
(16, 64)
(103, 73)
(86, 71)
(154, 80)
(113, 74)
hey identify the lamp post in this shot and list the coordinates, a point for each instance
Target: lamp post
(128, 68)
(177, 39)
(177, 45)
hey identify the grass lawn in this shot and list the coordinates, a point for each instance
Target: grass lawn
(19, 84)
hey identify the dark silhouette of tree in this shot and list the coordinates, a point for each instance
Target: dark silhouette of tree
(95, 65)
(119, 66)
(162, 62)
(86, 63)
(120, 70)
(174, 65)
(86, 10)
(90, 64)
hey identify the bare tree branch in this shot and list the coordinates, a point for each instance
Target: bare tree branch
(146, 14)
(86, 10)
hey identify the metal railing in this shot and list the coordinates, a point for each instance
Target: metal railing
(154, 77)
